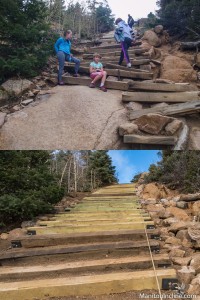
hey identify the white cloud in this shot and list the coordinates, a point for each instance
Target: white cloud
(138, 9)
(124, 166)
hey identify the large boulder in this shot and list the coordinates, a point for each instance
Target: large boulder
(156, 210)
(159, 29)
(173, 127)
(3, 97)
(133, 106)
(178, 226)
(16, 87)
(195, 262)
(155, 191)
(186, 274)
(181, 261)
(173, 241)
(178, 213)
(152, 38)
(128, 128)
(194, 287)
(177, 69)
(152, 123)
(176, 253)
(196, 209)
(2, 119)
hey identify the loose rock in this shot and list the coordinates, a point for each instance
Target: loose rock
(128, 128)
(152, 123)
(173, 127)
(186, 274)
(17, 87)
(2, 118)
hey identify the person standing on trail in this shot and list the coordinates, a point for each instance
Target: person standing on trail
(97, 72)
(131, 21)
(123, 35)
(63, 51)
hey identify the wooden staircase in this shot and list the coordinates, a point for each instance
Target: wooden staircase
(139, 84)
(99, 247)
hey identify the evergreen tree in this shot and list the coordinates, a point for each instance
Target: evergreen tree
(101, 163)
(177, 169)
(105, 19)
(181, 17)
(25, 37)
(27, 188)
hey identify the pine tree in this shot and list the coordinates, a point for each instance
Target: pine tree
(25, 37)
(27, 187)
(100, 164)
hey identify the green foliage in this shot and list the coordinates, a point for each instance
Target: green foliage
(136, 178)
(105, 20)
(181, 17)
(27, 187)
(101, 163)
(177, 169)
(25, 37)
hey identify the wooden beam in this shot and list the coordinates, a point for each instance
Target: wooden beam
(97, 49)
(161, 87)
(134, 62)
(115, 53)
(119, 73)
(160, 97)
(116, 66)
(20, 253)
(150, 140)
(174, 110)
(115, 85)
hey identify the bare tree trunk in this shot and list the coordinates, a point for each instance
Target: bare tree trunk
(69, 173)
(75, 174)
(63, 173)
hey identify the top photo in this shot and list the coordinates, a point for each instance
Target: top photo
(99, 75)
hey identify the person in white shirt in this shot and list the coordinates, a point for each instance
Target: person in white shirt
(126, 39)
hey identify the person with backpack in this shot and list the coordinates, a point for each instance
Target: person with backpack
(131, 21)
(63, 51)
(123, 35)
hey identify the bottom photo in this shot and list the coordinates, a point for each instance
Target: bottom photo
(99, 225)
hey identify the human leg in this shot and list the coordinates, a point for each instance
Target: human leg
(61, 61)
(77, 64)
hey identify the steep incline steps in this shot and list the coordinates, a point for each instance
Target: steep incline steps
(84, 285)
(99, 247)
(81, 267)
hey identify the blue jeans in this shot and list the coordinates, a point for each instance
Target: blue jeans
(62, 57)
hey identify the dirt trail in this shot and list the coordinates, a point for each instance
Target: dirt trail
(73, 117)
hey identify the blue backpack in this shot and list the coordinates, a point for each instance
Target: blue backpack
(119, 36)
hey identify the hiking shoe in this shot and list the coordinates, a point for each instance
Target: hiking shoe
(92, 85)
(129, 65)
(103, 88)
(61, 83)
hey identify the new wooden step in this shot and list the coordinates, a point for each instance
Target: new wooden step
(66, 222)
(82, 267)
(84, 285)
(85, 228)
(84, 238)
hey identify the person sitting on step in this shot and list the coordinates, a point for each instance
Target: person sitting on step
(97, 72)
(63, 51)
(123, 35)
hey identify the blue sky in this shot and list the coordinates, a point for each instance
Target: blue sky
(130, 162)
